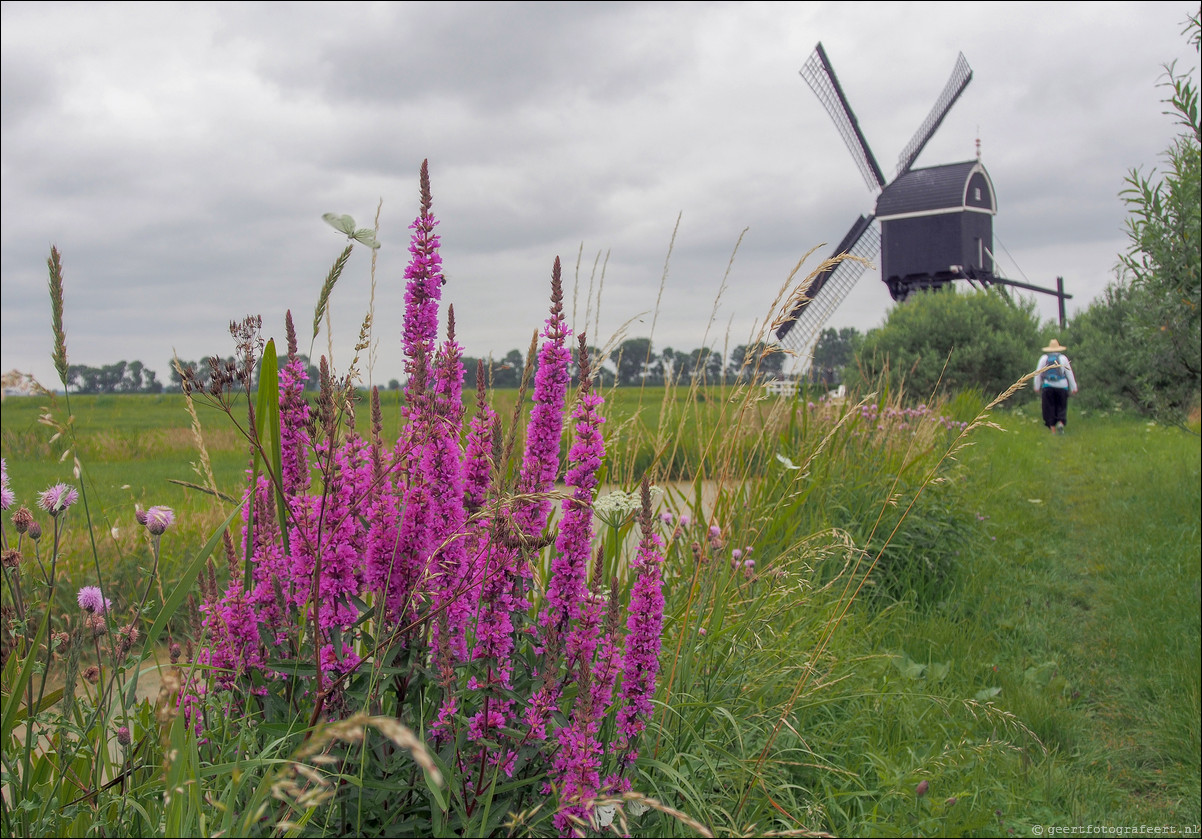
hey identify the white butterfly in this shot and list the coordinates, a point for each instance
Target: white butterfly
(604, 814)
(346, 224)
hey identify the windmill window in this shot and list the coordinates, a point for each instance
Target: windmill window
(976, 193)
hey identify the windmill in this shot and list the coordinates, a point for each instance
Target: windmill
(936, 223)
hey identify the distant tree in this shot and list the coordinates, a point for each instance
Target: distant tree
(759, 359)
(121, 377)
(951, 340)
(1164, 226)
(1100, 341)
(393, 384)
(834, 350)
(632, 360)
(702, 363)
(508, 371)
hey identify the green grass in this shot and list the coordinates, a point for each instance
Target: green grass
(1095, 570)
(1026, 643)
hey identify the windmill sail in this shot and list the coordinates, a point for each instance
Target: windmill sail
(820, 76)
(830, 287)
(961, 76)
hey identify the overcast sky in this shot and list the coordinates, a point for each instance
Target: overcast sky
(181, 156)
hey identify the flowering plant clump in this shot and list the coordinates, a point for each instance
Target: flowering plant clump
(405, 579)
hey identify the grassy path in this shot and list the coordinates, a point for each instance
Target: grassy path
(1090, 611)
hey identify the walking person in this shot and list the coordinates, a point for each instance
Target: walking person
(1055, 383)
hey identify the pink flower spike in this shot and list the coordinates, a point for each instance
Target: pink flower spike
(58, 498)
(92, 601)
(158, 519)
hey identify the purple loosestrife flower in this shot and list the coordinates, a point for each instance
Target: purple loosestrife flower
(577, 767)
(294, 418)
(644, 630)
(410, 552)
(452, 579)
(566, 589)
(274, 589)
(93, 601)
(477, 458)
(58, 498)
(233, 637)
(540, 465)
(422, 292)
(334, 531)
(6, 494)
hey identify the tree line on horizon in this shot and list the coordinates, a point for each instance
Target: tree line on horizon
(633, 362)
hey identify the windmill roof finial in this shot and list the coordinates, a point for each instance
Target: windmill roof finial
(978, 144)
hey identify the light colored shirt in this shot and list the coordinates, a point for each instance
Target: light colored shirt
(1069, 381)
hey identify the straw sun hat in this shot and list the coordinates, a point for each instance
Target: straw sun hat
(1054, 347)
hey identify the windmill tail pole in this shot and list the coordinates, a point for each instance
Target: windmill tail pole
(1060, 295)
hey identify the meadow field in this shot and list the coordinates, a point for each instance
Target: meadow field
(880, 618)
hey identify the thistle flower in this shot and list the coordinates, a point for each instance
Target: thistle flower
(35, 530)
(97, 625)
(11, 558)
(58, 498)
(6, 494)
(156, 519)
(22, 519)
(92, 674)
(93, 601)
(123, 736)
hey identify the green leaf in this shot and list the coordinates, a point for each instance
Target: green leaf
(267, 414)
(16, 688)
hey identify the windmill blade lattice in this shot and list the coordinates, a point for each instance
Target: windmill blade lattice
(829, 289)
(820, 76)
(961, 76)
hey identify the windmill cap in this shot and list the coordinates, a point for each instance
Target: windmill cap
(1055, 346)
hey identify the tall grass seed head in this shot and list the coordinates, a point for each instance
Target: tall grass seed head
(58, 498)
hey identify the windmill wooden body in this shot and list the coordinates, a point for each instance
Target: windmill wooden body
(936, 223)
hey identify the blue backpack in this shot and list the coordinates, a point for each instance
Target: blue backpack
(1056, 373)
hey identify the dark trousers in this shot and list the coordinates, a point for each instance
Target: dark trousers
(1055, 406)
